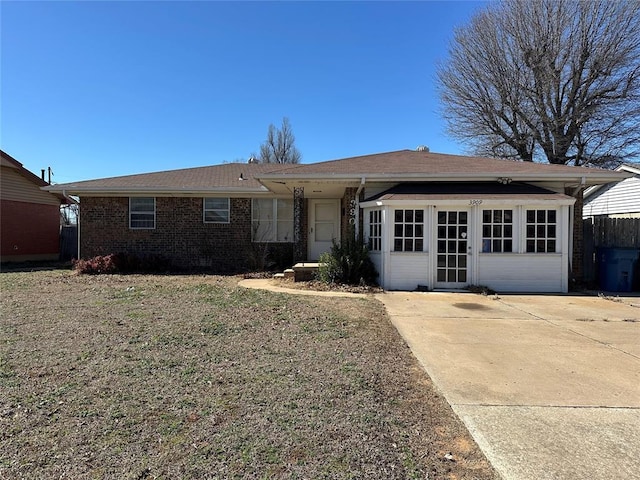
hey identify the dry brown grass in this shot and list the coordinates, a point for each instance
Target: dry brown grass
(192, 377)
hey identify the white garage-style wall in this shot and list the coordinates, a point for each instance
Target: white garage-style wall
(537, 249)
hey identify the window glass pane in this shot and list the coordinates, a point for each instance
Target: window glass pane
(551, 231)
(551, 216)
(486, 216)
(451, 276)
(531, 216)
(285, 209)
(462, 276)
(442, 275)
(285, 231)
(216, 216)
(451, 261)
(419, 216)
(216, 203)
(540, 245)
(497, 230)
(419, 230)
(541, 216)
(142, 204)
(508, 216)
(508, 246)
(551, 246)
(486, 230)
(442, 232)
(497, 216)
(442, 260)
(497, 246)
(508, 231)
(419, 245)
(462, 246)
(541, 231)
(442, 218)
(442, 246)
(398, 215)
(531, 246)
(463, 218)
(397, 229)
(408, 215)
(453, 217)
(531, 231)
(408, 230)
(397, 245)
(462, 261)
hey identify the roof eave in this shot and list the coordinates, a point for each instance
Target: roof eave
(79, 191)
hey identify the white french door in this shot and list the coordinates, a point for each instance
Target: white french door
(453, 246)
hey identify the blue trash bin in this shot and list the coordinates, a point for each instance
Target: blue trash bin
(616, 267)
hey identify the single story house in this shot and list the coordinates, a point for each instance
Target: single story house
(431, 220)
(615, 200)
(29, 216)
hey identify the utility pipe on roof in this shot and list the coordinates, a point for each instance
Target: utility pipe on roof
(357, 205)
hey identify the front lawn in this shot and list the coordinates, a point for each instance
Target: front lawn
(193, 377)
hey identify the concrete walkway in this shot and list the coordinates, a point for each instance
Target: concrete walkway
(548, 385)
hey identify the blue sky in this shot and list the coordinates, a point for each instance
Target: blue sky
(100, 89)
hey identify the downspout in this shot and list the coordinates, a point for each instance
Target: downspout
(357, 205)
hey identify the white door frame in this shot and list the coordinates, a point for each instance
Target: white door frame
(452, 259)
(314, 247)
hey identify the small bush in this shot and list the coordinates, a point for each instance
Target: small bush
(347, 263)
(121, 263)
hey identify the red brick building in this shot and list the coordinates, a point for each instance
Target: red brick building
(29, 216)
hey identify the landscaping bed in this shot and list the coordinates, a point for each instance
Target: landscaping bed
(193, 377)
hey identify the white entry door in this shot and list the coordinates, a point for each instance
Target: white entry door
(452, 248)
(324, 226)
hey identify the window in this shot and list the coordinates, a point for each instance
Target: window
(541, 231)
(497, 231)
(142, 212)
(375, 230)
(216, 210)
(408, 230)
(272, 220)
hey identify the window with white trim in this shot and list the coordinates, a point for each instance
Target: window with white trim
(272, 220)
(408, 230)
(375, 230)
(142, 212)
(215, 210)
(497, 231)
(541, 231)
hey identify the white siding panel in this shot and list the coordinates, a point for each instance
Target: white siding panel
(408, 270)
(521, 272)
(621, 197)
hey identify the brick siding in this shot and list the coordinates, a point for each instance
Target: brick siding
(180, 235)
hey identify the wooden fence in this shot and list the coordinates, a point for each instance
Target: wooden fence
(606, 232)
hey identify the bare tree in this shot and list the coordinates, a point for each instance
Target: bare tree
(554, 80)
(279, 147)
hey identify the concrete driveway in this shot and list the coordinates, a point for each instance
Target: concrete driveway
(548, 385)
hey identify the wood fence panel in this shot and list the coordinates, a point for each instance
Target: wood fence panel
(606, 232)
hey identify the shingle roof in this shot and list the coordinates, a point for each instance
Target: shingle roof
(403, 165)
(405, 162)
(215, 177)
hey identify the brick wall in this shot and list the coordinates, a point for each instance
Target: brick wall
(180, 234)
(577, 273)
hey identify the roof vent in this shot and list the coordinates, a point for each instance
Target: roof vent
(252, 159)
(422, 148)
